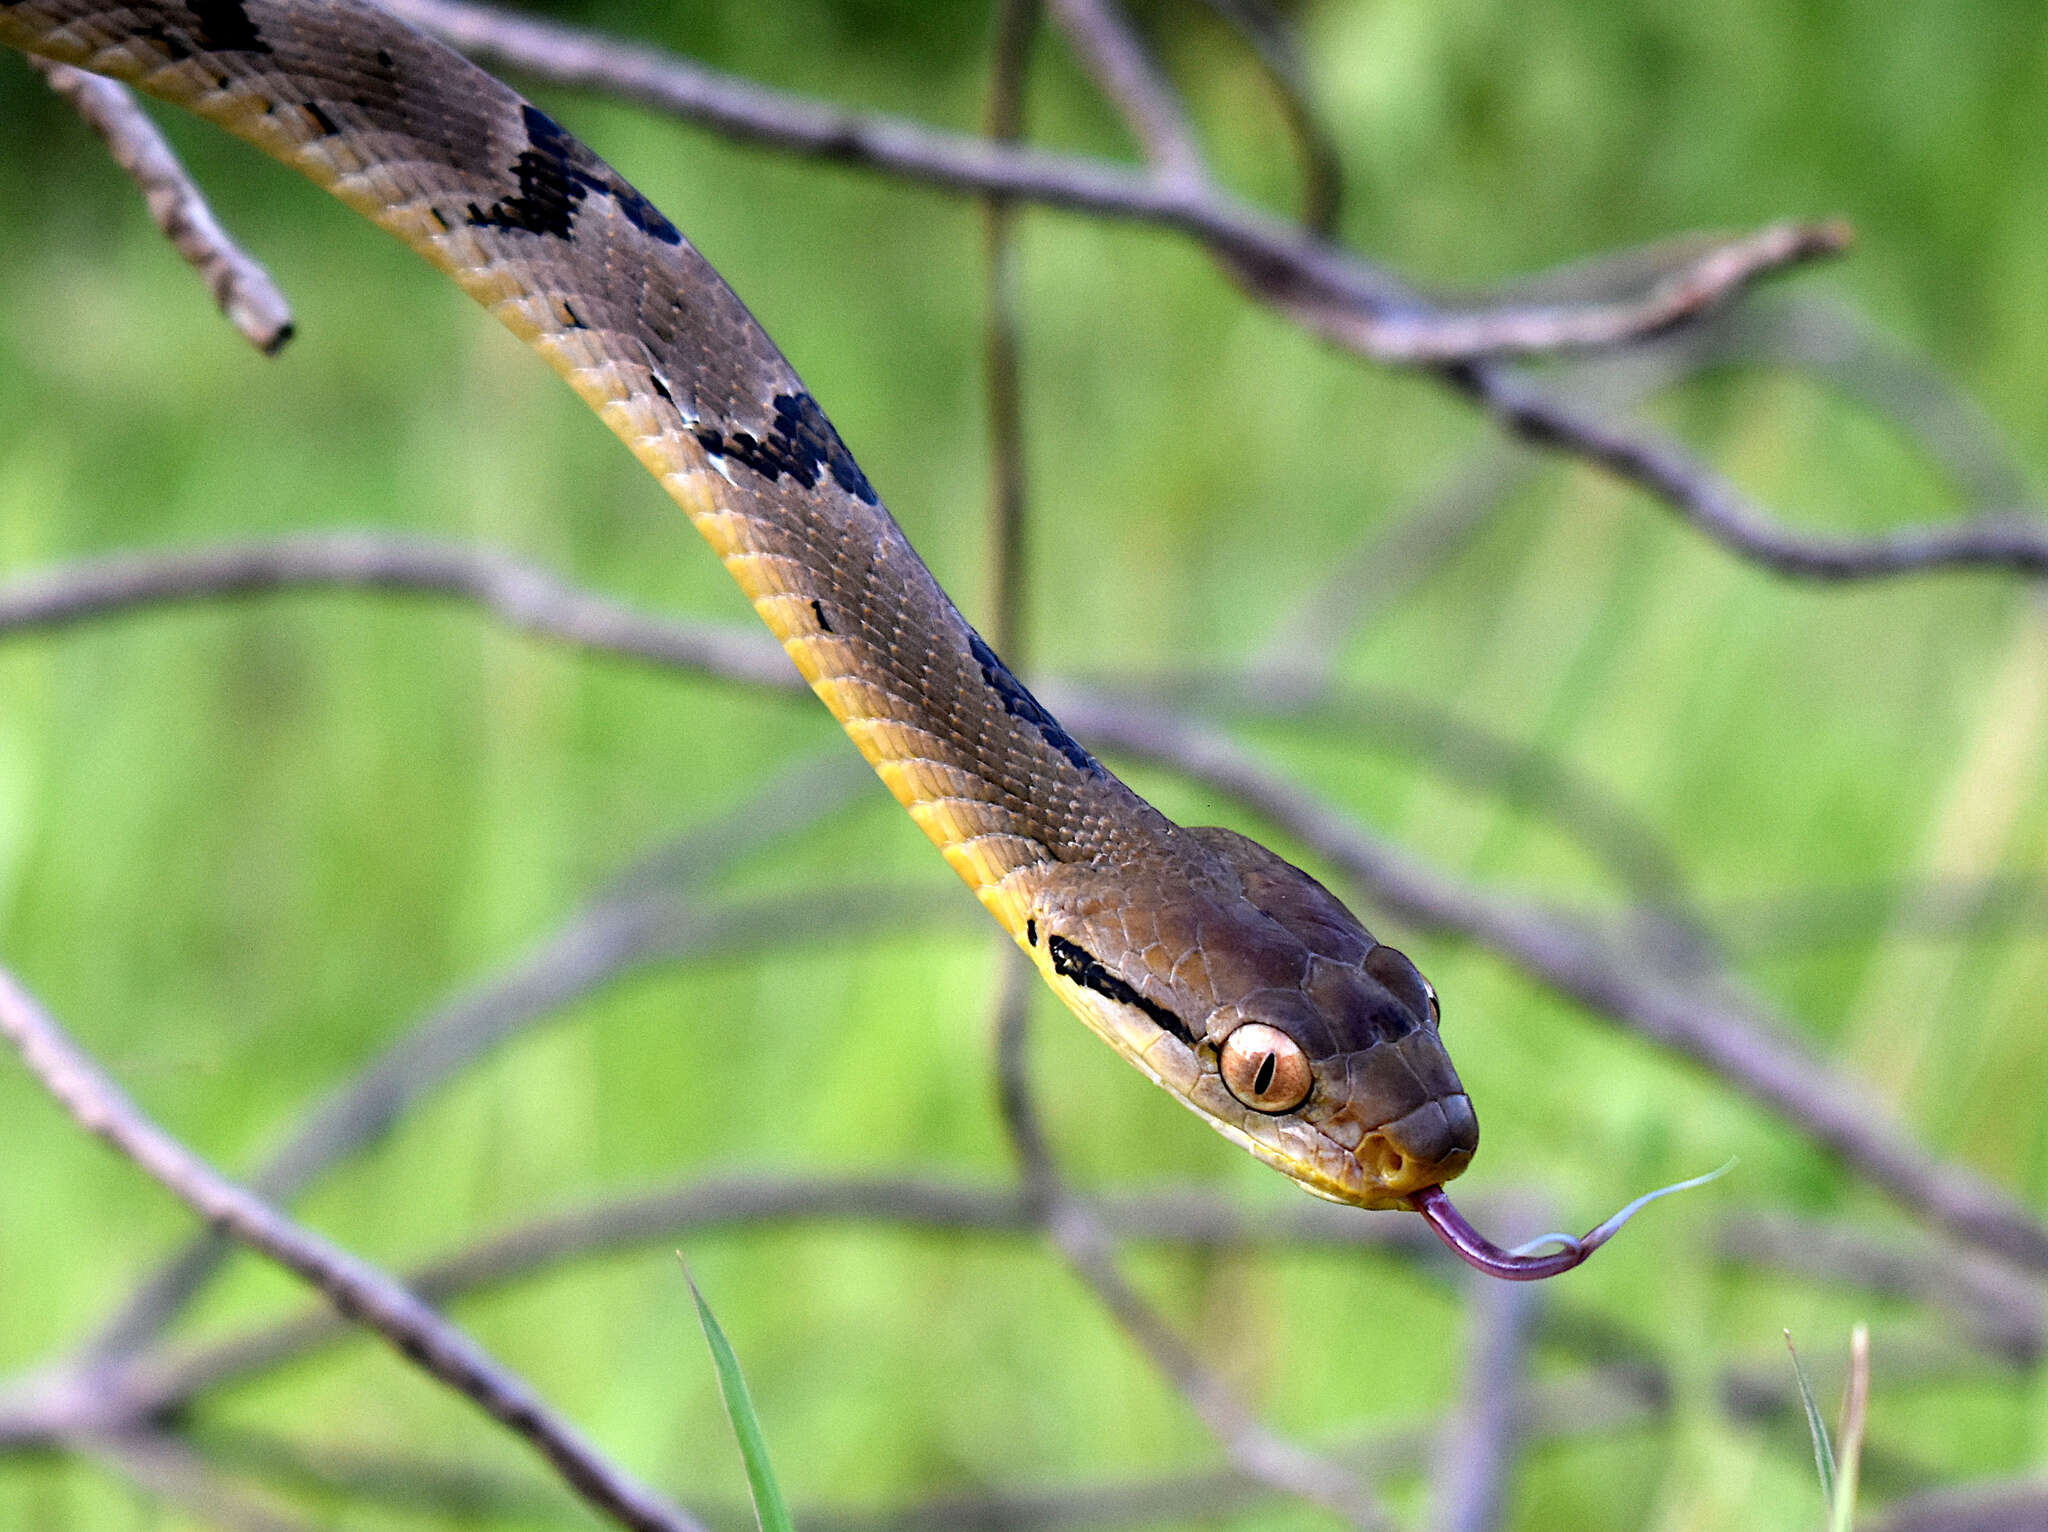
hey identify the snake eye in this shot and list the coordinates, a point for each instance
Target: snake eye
(1265, 1068)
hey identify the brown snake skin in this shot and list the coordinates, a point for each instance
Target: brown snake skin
(1165, 940)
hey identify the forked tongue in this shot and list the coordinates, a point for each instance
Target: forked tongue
(1523, 1263)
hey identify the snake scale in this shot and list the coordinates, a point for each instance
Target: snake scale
(1223, 973)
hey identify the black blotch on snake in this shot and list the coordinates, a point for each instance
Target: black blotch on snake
(1019, 703)
(802, 445)
(555, 173)
(225, 27)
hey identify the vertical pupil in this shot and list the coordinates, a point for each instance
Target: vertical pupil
(1263, 1081)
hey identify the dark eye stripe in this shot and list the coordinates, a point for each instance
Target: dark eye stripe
(1070, 960)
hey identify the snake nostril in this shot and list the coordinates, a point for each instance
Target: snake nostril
(1431, 1145)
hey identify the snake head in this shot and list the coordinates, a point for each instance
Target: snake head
(1246, 988)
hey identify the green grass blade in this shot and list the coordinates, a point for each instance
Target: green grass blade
(1823, 1449)
(769, 1510)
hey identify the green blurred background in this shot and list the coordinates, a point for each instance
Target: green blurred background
(242, 847)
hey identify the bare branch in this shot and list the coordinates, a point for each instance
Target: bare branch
(1522, 776)
(354, 1287)
(1448, 335)
(1589, 1405)
(240, 286)
(1803, 333)
(1607, 1399)
(657, 1220)
(1351, 302)
(958, 163)
(521, 595)
(535, 602)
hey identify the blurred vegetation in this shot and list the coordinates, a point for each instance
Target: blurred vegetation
(241, 847)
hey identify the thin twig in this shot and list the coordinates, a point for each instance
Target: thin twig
(1273, 44)
(1002, 353)
(536, 603)
(1190, 1218)
(1597, 1403)
(239, 284)
(1123, 68)
(168, 1469)
(354, 1287)
(1445, 336)
(1707, 501)
(1804, 333)
(1522, 776)
(521, 595)
(1569, 1409)
(1475, 1458)
(1081, 1238)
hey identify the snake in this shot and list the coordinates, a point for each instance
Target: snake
(1224, 973)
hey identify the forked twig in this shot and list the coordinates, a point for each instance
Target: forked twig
(1126, 73)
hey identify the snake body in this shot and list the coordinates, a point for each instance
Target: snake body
(1227, 975)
